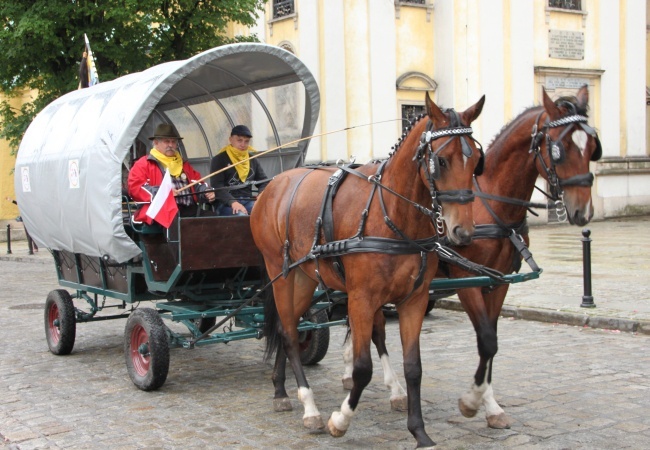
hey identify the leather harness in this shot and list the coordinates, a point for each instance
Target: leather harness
(403, 245)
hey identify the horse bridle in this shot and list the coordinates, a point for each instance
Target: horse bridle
(426, 153)
(557, 154)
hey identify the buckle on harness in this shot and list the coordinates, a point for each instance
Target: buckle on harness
(336, 176)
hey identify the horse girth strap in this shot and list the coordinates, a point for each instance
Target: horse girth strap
(400, 247)
(369, 244)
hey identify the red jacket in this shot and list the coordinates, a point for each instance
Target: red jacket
(145, 174)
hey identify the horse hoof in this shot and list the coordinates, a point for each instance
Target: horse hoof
(465, 410)
(347, 383)
(500, 421)
(399, 404)
(282, 404)
(335, 432)
(314, 423)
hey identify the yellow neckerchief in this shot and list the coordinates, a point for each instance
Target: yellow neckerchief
(173, 163)
(237, 155)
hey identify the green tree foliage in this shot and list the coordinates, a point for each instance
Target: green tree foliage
(42, 42)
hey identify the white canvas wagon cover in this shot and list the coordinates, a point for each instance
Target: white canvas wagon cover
(69, 173)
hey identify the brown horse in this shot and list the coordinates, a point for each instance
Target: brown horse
(374, 239)
(553, 141)
(561, 149)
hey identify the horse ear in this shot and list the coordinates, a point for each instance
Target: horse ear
(583, 97)
(433, 111)
(551, 109)
(472, 113)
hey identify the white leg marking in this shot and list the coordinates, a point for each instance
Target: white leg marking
(306, 397)
(341, 420)
(390, 379)
(492, 408)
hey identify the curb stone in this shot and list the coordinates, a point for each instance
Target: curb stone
(566, 318)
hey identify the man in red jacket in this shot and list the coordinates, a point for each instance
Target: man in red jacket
(147, 174)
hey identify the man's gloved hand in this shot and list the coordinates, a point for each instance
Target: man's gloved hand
(205, 196)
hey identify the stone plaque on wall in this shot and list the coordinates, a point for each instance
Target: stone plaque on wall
(564, 44)
(565, 82)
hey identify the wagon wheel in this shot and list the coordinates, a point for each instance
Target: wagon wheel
(204, 323)
(146, 349)
(60, 324)
(313, 344)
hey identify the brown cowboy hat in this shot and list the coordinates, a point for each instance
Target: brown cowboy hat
(165, 131)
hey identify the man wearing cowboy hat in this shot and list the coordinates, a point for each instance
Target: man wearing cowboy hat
(147, 174)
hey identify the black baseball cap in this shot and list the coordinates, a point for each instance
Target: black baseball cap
(241, 130)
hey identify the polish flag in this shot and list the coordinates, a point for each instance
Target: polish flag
(163, 207)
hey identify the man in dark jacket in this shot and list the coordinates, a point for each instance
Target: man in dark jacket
(241, 176)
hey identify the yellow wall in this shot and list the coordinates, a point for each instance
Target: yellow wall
(7, 209)
(647, 79)
(7, 161)
(414, 52)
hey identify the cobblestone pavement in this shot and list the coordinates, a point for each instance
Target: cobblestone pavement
(563, 386)
(620, 264)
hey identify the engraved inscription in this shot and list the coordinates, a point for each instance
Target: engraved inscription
(566, 44)
(565, 82)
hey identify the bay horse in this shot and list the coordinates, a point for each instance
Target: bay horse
(370, 231)
(554, 141)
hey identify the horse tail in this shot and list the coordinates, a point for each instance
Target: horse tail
(271, 325)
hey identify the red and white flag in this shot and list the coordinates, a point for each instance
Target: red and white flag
(163, 207)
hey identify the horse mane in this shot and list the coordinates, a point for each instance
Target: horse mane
(405, 132)
(568, 104)
(513, 123)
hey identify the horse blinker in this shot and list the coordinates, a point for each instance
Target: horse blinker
(556, 150)
(598, 152)
(434, 167)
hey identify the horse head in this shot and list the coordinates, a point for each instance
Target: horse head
(570, 145)
(449, 158)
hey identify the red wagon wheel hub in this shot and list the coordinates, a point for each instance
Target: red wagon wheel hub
(140, 350)
(54, 322)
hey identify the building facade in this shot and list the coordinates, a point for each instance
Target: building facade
(374, 60)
